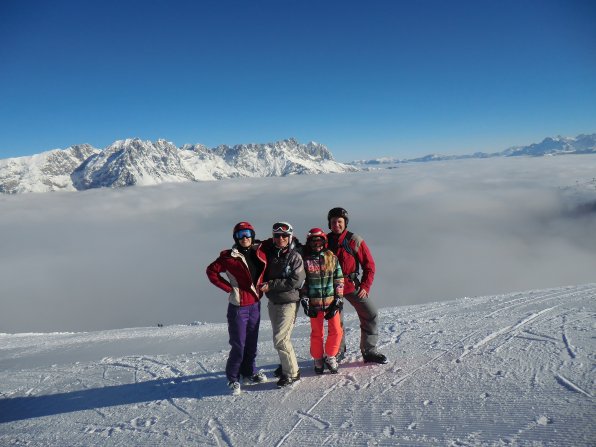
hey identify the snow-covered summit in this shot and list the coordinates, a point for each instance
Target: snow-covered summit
(285, 157)
(132, 162)
(582, 144)
(48, 171)
(137, 162)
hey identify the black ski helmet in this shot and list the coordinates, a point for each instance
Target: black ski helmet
(337, 212)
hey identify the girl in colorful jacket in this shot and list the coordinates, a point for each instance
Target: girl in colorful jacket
(321, 298)
(244, 267)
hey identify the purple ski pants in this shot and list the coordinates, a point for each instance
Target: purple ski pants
(243, 328)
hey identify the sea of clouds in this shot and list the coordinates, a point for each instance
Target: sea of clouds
(136, 256)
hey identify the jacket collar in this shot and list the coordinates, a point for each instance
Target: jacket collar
(338, 237)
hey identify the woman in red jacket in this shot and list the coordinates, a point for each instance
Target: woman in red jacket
(244, 268)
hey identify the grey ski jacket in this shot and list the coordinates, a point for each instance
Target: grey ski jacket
(284, 273)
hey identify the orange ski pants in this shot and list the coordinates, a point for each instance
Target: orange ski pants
(318, 348)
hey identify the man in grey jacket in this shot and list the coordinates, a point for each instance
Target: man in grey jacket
(284, 276)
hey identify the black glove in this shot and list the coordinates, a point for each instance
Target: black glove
(336, 306)
(308, 310)
(304, 302)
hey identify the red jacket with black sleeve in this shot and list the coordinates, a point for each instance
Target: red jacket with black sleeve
(348, 262)
(239, 285)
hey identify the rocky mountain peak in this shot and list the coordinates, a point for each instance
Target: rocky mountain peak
(133, 161)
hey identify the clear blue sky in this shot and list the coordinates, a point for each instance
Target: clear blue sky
(368, 79)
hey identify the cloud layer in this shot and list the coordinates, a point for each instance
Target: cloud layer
(130, 257)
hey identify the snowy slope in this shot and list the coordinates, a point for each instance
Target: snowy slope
(514, 369)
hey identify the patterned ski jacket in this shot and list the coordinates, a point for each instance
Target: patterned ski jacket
(324, 279)
(348, 262)
(239, 283)
(284, 272)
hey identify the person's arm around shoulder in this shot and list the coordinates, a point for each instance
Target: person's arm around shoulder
(295, 280)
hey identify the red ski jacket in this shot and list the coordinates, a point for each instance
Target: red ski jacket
(239, 283)
(348, 262)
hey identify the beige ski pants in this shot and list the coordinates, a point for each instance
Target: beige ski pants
(283, 317)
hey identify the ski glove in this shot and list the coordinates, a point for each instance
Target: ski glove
(308, 310)
(335, 307)
(304, 302)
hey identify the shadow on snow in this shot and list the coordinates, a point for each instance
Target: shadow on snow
(193, 386)
(196, 386)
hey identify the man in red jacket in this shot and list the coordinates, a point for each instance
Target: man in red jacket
(244, 269)
(353, 253)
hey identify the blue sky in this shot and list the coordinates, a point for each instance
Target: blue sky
(367, 79)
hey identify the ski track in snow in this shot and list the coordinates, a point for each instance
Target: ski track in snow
(513, 369)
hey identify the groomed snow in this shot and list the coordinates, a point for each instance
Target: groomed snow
(514, 369)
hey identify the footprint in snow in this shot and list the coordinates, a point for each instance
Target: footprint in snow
(389, 431)
(544, 420)
(143, 422)
(347, 424)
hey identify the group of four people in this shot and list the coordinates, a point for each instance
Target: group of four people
(319, 275)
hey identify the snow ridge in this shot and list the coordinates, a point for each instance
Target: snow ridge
(581, 144)
(48, 171)
(137, 162)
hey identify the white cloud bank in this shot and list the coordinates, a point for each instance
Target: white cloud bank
(133, 257)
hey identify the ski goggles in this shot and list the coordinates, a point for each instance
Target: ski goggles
(316, 233)
(316, 240)
(282, 227)
(243, 233)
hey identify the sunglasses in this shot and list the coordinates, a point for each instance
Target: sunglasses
(242, 234)
(280, 235)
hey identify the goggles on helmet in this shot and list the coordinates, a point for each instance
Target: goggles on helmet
(316, 233)
(282, 227)
(243, 233)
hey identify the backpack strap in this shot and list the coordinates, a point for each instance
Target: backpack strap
(346, 246)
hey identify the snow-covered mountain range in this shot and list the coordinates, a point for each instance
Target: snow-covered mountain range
(582, 144)
(136, 162)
